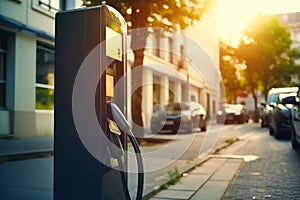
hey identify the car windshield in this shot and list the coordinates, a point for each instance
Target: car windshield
(274, 98)
(177, 107)
(282, 96)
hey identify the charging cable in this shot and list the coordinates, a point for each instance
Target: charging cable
(125, 127)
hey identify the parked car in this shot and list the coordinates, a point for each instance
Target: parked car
(236, 113)
(272, 101)
(177, 116)
(279, 116)
(295, 119)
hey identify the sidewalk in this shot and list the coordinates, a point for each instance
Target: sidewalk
(203, 179)
(25, 148)
(207, 181)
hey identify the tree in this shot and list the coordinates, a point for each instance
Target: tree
(295, 56)
(141, 14)
(228, 71)
(265, 50)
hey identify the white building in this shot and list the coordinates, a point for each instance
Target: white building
(27, 67)
(292, 22)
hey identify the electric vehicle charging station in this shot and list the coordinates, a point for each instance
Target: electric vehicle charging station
(90, 130)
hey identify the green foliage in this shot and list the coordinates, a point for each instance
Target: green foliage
(158, 13)
(44, 99)
(232, 140)
(229, 72)
(266, 52)
(174, 177)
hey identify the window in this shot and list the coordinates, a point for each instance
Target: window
(184, 92)
(181, 50)
(48, 7)
(3, 47)
(296, 37)
(156, 90)
(44, 77)
(171, 50)
(51, 5)
(172, 96)
(157, 43)
(297, 17)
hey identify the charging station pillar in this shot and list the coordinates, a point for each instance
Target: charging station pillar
(78, 174)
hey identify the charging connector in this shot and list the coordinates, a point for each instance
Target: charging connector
(124, 126)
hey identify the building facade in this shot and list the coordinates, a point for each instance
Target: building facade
(27, 67)
(292, 22)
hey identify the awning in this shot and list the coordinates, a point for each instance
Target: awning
(18, 26)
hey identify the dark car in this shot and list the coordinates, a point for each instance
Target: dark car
(279, 116)
(295, 119)
(178, 116)
(234, 113)
(272, 101)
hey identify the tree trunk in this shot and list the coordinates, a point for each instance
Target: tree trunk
(136, 98)
(253, 88)
(138, 42)
(265, 83)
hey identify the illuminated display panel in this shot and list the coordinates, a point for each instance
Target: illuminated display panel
(113, 44)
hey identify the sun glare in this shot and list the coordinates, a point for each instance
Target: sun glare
(233, 15)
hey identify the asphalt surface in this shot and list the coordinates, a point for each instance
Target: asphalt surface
(23, 177)
(273, 172)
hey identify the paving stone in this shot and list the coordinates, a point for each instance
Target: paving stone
(190, 182)
(209, 166)
(228, 170)
(174, 194)
(204, 170)
(208, 181)
(212, 190)
(214, 162)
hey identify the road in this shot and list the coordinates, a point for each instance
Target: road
(271, 170)
(27, 179)
(33, 178)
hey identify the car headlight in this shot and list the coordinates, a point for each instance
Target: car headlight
(282, 107)
(268, 108)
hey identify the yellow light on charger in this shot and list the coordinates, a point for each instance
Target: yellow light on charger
(109, 85)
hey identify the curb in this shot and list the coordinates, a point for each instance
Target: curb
(25, 156)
